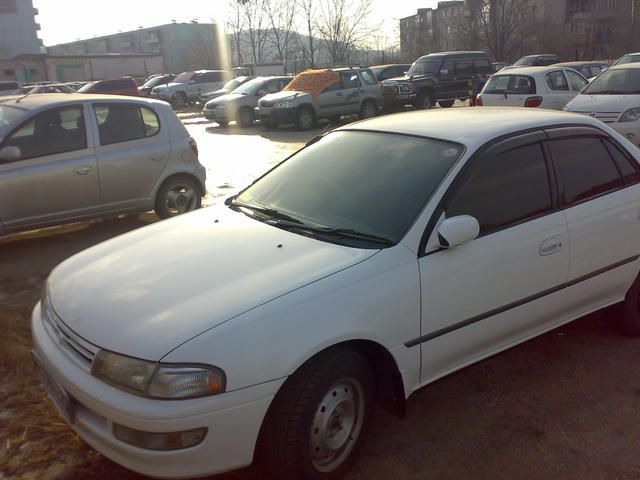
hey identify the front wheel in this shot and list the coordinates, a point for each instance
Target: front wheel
(368, 109)
(180, 100)
(305, 119)
(424, 101)
(446, 103)
(177, 195)
(317, 421)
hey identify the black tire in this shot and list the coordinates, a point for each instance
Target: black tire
(289, 442)
(222, 123)
(180, 100)
(627, 314)
(269, 124)
(335, 118)
(245, 117)
(368, 109)
(178, 194)
(425, 100)
(305, 118)
(446, 103)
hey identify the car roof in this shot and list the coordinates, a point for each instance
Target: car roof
(461, 54)
(42, 100)
(470, 126)
(537, 55)
(626, 66)
(530, 70)
(579, 64)
(391, 65)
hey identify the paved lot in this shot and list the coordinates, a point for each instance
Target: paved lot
(563, 406)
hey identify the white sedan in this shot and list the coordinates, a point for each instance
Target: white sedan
(614, 98)
(379, 258)
(544, 87)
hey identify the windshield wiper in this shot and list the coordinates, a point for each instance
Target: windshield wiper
(341, 232)
(266, 212)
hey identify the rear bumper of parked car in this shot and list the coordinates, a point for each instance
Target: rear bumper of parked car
(232, 419)
(276, 115)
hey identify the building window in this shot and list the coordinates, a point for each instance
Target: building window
(9, 72)
(33, 71)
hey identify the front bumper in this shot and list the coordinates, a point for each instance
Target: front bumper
(218, 114)
(233, 419)
(629, 130)
(276, 116)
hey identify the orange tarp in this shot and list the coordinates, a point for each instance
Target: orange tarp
(313, 81)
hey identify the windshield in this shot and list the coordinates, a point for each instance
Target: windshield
(424, 67)
(9, 116)
(183, 77)
(628, 59)
(372, 183)
(155, 81)
(231, 85)
(615, 82)
(251, 87)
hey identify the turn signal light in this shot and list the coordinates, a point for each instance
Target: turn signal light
(533, 102)
(478, 101)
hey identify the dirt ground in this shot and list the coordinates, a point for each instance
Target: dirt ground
(563, 406)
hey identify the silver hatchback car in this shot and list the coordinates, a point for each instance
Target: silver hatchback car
(69, 157)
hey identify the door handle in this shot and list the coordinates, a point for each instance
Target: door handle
(157, 158)
(550, 246)
(82, 170)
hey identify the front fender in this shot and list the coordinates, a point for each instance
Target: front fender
(376, 300)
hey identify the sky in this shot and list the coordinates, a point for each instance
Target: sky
(100, 17)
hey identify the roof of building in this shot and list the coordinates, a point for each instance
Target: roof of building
(469, 126)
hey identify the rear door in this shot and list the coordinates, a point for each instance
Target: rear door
(331, 102)
(56, 178)
(558, 93)
(600, 195)
(133, 149)
(353, 92)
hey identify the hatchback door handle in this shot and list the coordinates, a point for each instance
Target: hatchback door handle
(82, 170)
(550, 246)
(157, 158)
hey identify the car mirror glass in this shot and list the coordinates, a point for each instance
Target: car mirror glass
(456, 231)
(10, 154)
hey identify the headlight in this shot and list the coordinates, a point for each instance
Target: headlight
(630, 115)
(287, 104)
(157, 380)
(221, 106)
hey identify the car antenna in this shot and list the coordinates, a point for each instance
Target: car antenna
(25, 95)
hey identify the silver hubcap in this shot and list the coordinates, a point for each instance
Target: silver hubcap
(336, 424)
(306, 120)
(369, 110)
(181, 198)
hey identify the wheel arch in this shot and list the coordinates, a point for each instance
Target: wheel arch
(174, 175)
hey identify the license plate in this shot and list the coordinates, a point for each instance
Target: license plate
(58, 395)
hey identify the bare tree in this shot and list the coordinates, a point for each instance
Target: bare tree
(234, 30)
(307, 41)
(281, 14)
(505, 25)
(342, 24)
(255, 26)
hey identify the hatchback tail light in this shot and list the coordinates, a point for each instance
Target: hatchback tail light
(194, 146)
(478, 102)
(533, 102)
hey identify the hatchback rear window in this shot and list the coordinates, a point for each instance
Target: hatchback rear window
(516, 84)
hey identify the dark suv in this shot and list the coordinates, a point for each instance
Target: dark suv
(439, 77)
(114, 86)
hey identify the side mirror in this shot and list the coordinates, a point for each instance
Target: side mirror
(10, 154)
(457, 231)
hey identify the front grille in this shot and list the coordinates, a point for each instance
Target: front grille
(266, 103)
(606, 117)
(67, 339)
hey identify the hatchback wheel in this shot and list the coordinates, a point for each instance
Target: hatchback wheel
(318, 420)
(368, 110)
(305, 119)
(177, 195)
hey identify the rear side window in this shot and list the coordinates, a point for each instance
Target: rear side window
(482, 66)
(51, 132)
(628, 167)
(504, 190)
(123, 122)
(586, 168)
(463, 67)
(368, 77)
(556, 81)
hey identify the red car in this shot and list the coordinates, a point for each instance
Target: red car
(116, 86)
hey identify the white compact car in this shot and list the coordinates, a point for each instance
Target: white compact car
(544, 87)
(614, 98)
(382, 256)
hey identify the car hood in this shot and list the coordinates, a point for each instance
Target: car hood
(603, 103)
(216, 94)
(146, 292)
(283, 95)
(228, 98)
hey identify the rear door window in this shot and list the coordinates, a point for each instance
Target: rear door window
(627, 166)
(350, 80)
(482, 66)
(123, 122)
(586, 168)
(556, 81)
